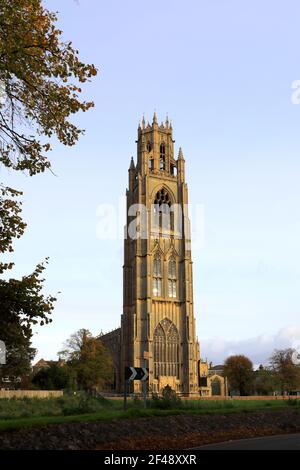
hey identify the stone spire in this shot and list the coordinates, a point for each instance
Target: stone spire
(132, 165)
(180, 154)
(131, 173)
(167, 122)
(180, 166)
(154, 121)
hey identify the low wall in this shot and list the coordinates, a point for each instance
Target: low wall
(214, 397)
(266, 397)
(250, 397)
(30, 393)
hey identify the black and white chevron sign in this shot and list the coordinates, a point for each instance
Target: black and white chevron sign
(136, 373)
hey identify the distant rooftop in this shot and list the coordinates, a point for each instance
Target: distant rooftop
(217, 367)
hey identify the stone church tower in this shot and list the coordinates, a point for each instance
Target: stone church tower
(158, 315)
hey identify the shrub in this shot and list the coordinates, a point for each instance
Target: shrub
(168, 400)
(293, 402)
(83, 403)
(68, 404)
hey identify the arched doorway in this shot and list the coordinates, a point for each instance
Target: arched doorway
(215, 387)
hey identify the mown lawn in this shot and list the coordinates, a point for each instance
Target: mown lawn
(31, 412)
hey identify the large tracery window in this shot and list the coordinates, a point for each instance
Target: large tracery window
(157, 276)
(166, 349)
(172, 278)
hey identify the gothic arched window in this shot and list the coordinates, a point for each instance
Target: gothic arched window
(162, 157)
(166, 349)
(216, 386)
(163, 216)
(172, 278)
(157, 276)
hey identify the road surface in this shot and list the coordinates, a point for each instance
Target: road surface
(282, 442)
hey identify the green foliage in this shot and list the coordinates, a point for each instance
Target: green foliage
(54, 377)
(89, 360)
(40, 76)
(67, 405)
(20, 413)
(287, 372)
(22, 306)
(80, 405)
(265, 381)
(11, 223)
(135, 412)
(293, 402)
(239, 371)
(168, 400)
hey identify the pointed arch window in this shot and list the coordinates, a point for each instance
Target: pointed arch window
(163, 215)
(162, 157)
(157, 276)
(172, 278)
(166, 349)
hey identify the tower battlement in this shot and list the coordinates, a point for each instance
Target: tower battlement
(155, 150)
(165, 127)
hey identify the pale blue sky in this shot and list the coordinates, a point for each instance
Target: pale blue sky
(223, 71)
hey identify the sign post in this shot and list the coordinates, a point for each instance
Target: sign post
(146, 358)
(125, 395)
(134, 373)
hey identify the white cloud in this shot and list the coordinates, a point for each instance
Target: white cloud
(258, 348)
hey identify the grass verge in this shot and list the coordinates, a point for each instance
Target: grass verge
(114, 411)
